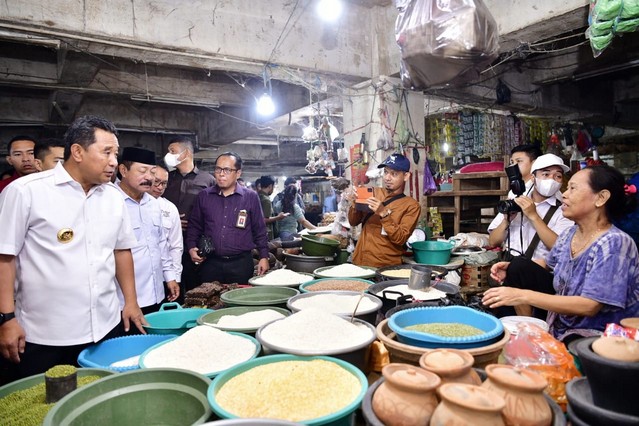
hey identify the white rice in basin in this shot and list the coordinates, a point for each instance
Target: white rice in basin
(253, 319)
(346, 270)
(282, 277)
(202, 349)
(313, 329)
(335, 303)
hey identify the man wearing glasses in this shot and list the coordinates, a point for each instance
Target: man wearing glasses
(389, 218)
(170, 221)
(230, 216)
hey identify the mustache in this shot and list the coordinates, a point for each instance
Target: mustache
(146, 183)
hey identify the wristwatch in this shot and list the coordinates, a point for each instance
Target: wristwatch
(6, 317)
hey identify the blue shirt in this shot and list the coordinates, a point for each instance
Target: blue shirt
(216, 216)
(607, 272)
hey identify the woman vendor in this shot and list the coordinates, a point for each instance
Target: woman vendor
(595, 265)
(288, 226)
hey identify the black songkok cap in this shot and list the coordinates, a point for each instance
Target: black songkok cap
(138, 155)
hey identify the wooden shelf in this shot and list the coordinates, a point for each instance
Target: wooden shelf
(471, 193)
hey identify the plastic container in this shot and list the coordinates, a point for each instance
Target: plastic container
(173, 319)
(213, 317)
(259, 296)
(210, 374)
(385, 273)
(369, 315)
(491, 326)
(303, 263)
(355, 354)
(342, 417)
(432, 252)
(315, 245)
(31, 381)
(141, 397)
(103, 354)
(304, 288)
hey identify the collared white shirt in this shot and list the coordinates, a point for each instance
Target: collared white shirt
(519, 242)
(63, 240)
(173, 230)
(151, 260)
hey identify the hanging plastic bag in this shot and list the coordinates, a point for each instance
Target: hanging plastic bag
(444, 41)
(430, 186)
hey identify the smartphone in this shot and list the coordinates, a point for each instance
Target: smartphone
(363, 194)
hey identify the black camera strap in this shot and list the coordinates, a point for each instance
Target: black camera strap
(385, 203)
(535, 241)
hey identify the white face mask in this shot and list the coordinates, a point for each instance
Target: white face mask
(547, 187)
(171, 160)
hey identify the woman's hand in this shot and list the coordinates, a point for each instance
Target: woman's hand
(504, 296)
(498, 271)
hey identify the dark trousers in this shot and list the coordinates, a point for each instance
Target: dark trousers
(189, 275)
(37, 359)
(227, 269)
(526, 274)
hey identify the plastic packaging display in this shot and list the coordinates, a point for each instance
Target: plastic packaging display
(444, 41)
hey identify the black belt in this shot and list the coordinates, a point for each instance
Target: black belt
(233, 256)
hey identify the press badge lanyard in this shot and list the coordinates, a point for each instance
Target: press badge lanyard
(241, 219)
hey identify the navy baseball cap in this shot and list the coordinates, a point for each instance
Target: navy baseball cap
(396, 162)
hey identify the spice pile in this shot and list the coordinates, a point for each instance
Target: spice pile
(202, 349)
(207, 295)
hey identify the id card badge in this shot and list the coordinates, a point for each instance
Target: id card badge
(241, 219)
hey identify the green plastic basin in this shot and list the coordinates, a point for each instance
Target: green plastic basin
(173, 319)
(343, 417)
(141, 397)
(432, 252)
(259, 296)
(315, 245)
(31, 381)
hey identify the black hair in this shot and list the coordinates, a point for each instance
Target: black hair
(19, 138)
(43, 147)
(290, 197)
(82, 132)
(10, 171)
(266, 181)
(289, 181)
(532, 150)
(238, 159)
(185, 141)
(606, 177)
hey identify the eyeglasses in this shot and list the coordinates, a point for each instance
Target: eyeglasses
(223, 171)
(161, 183)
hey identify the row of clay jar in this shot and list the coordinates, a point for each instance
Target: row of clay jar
(446, 390)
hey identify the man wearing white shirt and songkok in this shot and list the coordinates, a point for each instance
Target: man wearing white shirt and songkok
(66, 236)
(170, 220)
(151, 259)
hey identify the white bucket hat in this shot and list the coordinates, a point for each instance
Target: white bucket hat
(548, 160)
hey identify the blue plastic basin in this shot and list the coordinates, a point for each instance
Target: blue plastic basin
(492, 327)
(106, 353)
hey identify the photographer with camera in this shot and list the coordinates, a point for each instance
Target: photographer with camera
(533, 232)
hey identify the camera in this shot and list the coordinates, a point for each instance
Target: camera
(517, 186)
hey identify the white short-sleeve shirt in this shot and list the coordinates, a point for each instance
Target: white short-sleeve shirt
(173, 230)
(64, 242)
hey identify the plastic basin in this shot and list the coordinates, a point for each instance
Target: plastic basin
(341, 417)
(304, 288)
(259, 296)
(213, 317)
(103, 354)
(173, 319)
(210, 374)
(314, 245)
(432, 252)
(31, 381)
(492, 327)
(142, 397)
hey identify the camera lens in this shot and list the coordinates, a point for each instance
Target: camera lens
(507, 206)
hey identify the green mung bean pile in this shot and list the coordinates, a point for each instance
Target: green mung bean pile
(447, 329)
(27, 407)
(58, 371)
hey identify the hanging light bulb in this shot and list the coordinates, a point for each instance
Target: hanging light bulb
(445, 147)
(265, 105)
(329, 10)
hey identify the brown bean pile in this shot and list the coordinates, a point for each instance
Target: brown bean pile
(348, 285)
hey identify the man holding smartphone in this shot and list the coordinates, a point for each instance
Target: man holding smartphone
(390, 220)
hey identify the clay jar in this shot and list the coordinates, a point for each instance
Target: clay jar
(462, 405)
(523, 392)
(451, 365)
(407, 395)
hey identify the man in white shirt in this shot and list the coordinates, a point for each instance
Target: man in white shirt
(66, 237)
(171, 223)
(153, 265)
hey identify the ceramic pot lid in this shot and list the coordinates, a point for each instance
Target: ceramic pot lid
(471, 396)
(408, 376)
(617, 348)
(446, 359)
(516, 377)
